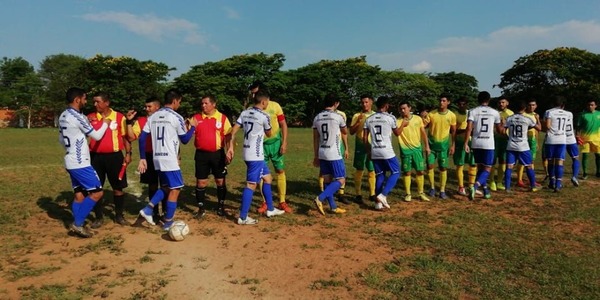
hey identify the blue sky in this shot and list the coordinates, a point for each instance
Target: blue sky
(480, 38)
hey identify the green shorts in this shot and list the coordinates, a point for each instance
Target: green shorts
(440, 156)
(500, 150)
(272, 153)
(412, 159)
(461, 157)
(532, 147)
(360, 157)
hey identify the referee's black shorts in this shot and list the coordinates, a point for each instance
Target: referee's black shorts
(108, 165)
(210, 163)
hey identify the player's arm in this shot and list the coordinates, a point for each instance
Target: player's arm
(398, 130)
(547, 124)
(500, 128)
(130, 125)
(227, 137)
(96, 134)
(452, 139)
(143, 165)
(187, 136)
(468, 132)
(355, 123)
(284, 133)
(365, 140)
(344, 132)
(230, 151)
(425, 139)
(315, 147)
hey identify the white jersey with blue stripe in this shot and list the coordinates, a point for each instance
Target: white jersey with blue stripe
(254, 123)
(569, 130)
(165, 126)
(556, 132)
(73, 130)
(381, 126)
(328, 124)
(484, 119)
(518, 125)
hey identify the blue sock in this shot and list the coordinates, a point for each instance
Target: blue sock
(246, 202)
(390, 183)
(268, 194)
(330, 190)
(575, 167)
(560, 170)
(171, 207)
(482, 177)
(531, 177)
(84, 210)
(75, 207)
(331, 202)
(156, 198)
(507, 178)
(379, 180)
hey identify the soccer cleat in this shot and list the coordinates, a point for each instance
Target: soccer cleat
(200, 213)
(584, 176)
(247, 221)
(508, 191)
(408, 198)
(80, 231)
(378, 206)
(221, 211)
(478, 193)
(285, 207)
(462, 191)
(431, 193)
(493, 186)
(262, 208)
(319, 205)
(97, 223)
(443, 196)
(500, 186)
(534, 189)
(148, 217)
(373, 198)
(167, 225)
(574, 181)
(338, 211)
(383, 199)
(521, 184)
(343, 199)
(472, 193)
(358, 199)
(487, 194)
(120, 219)
(274, 212)
(424, 197)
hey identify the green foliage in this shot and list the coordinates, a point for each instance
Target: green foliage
(458, 85)
(569, 72)
(18, 83)
(418, 89)
(60, 72)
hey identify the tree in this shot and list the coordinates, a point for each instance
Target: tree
(457, 85)
(570, 72)
(128, 81)
(228, 79)
(11, 73)
(60, 72)
(418, 89)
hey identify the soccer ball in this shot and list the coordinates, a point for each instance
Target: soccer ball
(179, 230)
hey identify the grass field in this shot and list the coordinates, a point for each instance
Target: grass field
(524, 246)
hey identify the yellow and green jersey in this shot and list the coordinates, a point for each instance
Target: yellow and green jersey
(531, 133)
(359, 132)
(504, 114)
(410, 139)
(439, 128)
(589, 126)
(276, 114)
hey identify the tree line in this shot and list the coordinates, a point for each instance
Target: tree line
(571, 72)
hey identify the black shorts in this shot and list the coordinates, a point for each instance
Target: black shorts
(108, 165)
(151, 175)
(210, 163)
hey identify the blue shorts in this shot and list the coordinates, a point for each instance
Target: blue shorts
(484, 157)
(573, 150)
(384, 165)
(171, 179)
(336, 168)
(523, 157)
(256, 170)
(555, 151)
(85, 178)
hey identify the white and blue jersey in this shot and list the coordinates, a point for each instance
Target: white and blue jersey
(381, 126)
(517, 126)
(484, 119)
(254, 123)
(556, 132)
(328, 124)
(74, 127)
(167, 129)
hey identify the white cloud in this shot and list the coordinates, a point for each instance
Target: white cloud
(231, 13)
(151, 26)
(423, 66)
(486, 57)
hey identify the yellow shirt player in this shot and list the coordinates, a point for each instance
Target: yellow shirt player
(501, 141)
(360, 154)
(442, 132)
(461, 157)
(274, 146)
(588, 133)
(413, 140)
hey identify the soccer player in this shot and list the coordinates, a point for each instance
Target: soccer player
(256, 124)
(134, 129)
(482, 121)
(361, 160)
(379, 127)
(501, 143)
(460, 157)
(572, 148)
(517, 126)
(74, 127)
(588, 131)
(442, 133)
(328, 128)
(107, 156)
(275, 145)
(411, 141)
(532, 136)
(555, 122)
(213, 135)
(344, 150)
(168, 130)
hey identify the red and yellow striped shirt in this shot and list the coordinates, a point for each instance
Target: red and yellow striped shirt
(211, 131)
(112, 140)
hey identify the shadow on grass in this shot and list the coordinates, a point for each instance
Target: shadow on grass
(58, 208)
